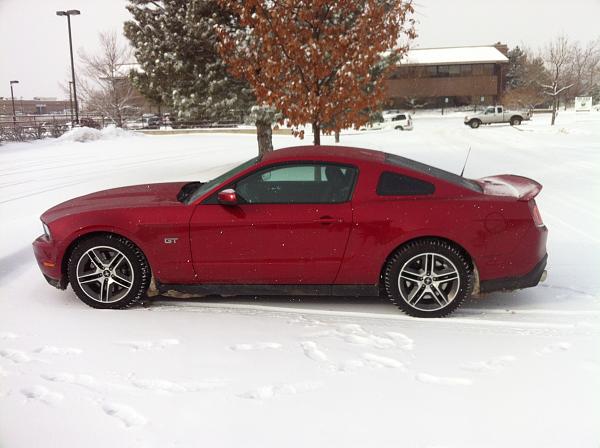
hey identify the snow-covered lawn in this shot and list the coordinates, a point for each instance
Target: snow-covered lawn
(516, 369)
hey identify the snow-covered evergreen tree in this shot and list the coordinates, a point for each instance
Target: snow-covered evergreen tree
(175, 45)
(515, 75)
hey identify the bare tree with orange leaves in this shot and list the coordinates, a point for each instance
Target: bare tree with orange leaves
(321, 62)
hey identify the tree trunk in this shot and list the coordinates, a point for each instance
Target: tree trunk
(264, 136)
(337, 136)
(316, 133)
(554, 111)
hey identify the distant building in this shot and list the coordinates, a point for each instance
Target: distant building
(426, 77)
(36, 106)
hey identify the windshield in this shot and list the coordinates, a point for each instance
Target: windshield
(203, 188)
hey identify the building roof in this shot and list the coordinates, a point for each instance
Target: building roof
(454, 55)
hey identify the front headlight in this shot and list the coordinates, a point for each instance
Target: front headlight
(46, 229)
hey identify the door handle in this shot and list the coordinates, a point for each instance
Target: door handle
(328, 220)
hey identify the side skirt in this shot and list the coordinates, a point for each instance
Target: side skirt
(203, 290)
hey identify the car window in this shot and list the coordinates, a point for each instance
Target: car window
(394, 184)
(419, 167)
(399, 117)
(301, 183)
(499, 110)
(205, 187)
(489, 110)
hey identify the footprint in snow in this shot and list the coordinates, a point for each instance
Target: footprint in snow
(272, 391)
(16, 356)
(150, 345)
(161, 385)
(128, 416)
(382, 361)
(492, 364)
(403, 341)
(552, 348)
(357, 335)
(82, 380)
(312, 351)
(442, 380)
(41, 394)
(350, 365)
(257, 346)
(52, 350)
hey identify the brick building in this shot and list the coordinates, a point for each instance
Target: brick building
(425, 77)
(36, 106)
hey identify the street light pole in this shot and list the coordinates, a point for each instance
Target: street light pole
(12, 98)
(69, 13)
(71, 100)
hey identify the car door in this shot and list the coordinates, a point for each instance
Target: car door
(500, 115)
(489, 115)
(290, 226)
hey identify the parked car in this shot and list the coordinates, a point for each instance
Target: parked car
(306, 220)
(150, 121)
(497, 114)
(401, 122)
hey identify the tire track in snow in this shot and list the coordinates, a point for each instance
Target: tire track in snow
(202, 307)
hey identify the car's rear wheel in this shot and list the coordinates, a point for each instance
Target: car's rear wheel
(108, 271)
(515, 121)
(399, 128)
(428, 278)
(474, 123)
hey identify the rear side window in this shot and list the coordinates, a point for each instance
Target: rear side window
(403, 162)
(394, 184)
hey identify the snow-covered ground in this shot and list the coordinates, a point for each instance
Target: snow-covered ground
(516, 369)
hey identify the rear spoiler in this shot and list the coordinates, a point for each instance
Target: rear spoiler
(519, 187)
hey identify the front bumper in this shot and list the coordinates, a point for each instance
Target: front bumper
(47, 258)
(532, 278)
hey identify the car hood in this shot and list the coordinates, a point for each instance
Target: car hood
(146, 195)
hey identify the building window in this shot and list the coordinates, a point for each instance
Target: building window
(466, 69)
(443, 70)
(432, 71)
(454, 70)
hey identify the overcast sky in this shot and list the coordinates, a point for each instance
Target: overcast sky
(34, 42)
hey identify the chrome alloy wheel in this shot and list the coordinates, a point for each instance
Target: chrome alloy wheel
(104, 274)
(428, 282)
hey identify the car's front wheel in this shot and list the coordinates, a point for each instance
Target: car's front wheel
(474, 123)
(399, 128)
(428, 278)
(108, 271)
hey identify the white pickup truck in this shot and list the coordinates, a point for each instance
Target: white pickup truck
(497, 114)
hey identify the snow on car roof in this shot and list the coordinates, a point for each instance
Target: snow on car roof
(453, 55)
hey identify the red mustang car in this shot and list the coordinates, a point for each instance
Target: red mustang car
(303, 220)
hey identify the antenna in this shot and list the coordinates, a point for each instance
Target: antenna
(466, 160)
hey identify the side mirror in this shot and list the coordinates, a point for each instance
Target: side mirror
(227, 197)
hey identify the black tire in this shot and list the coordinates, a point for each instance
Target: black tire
(474, 124)
(447, 257)
(125, 284)
(515, 121)
(399, 128)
